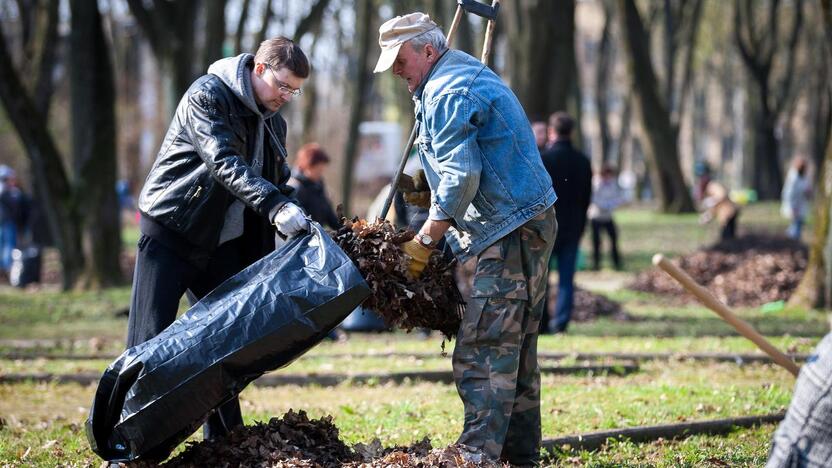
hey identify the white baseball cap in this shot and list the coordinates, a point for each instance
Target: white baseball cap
(395, 32)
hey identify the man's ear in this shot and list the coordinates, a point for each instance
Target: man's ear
(259, 68)
(430, 53)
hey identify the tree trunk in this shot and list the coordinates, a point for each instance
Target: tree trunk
(94, 145)
(815, 289)
(212, 49)
(170, 27)
(241, 27)
(660, 137)
(821, 111)
(310, 104)
(48, 174)
(624, 134)
(43, 54)
(312, 20)
(361, 83)
(765, 166)
(758, 47)
(602, 84)
(543, 83)
(268, 13)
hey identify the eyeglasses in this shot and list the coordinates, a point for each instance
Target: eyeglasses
(283, 87)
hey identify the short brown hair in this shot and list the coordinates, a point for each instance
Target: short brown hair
(607, 169)
(281, 52)
(310, 155)
(562, 123)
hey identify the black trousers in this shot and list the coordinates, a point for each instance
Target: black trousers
(597, 227)
(729, 229)
(160, 280)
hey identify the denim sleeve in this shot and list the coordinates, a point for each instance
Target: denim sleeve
(451, 123)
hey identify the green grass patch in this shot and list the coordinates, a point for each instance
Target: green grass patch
(741, 448)
(42, 424)
(664, 392)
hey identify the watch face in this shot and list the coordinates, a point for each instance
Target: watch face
(425, 239)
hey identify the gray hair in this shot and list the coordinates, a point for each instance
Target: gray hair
(434, 37)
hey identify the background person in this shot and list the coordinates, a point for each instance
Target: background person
(606, 197)
(571, 175)
(308, 182)
(795, 197)
(15, 208)
(541, 135)
(717, 204)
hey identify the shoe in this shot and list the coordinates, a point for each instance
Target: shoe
(558, 329)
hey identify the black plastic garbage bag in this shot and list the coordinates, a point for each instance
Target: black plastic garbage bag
(156, 394)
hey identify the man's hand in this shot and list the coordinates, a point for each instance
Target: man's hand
(420, 199)
(415, 189)
(290, 220)
(419, 255)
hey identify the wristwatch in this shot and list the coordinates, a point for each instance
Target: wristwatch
(425, 240)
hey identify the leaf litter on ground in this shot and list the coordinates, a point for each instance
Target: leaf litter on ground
(297, 441)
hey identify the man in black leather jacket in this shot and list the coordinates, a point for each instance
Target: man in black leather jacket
(216, 188)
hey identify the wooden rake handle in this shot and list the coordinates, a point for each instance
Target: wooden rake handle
(725, 313)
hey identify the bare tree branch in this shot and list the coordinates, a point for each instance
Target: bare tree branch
(46, 49)
(264, 26)
(313, 18)
(669, 53)
(214, 32)
(770, 40)
(241, 27)
(148, 24)
(602, 80)
(794, 37)
(692, 30)
(745, 45)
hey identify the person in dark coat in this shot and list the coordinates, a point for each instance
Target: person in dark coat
(571, 174)
(15, 208)
(217, 191)
(308, 182)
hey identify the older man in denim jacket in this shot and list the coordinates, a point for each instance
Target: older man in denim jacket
(492, 200)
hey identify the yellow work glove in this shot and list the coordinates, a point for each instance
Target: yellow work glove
(415, 189)
(420, 199)
(419, 255)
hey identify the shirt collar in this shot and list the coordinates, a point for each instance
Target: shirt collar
(417, 94)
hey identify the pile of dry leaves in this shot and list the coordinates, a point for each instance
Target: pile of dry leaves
(589, 306)
(433, 301)
(297, 441)
(294, 440)
(749, 271)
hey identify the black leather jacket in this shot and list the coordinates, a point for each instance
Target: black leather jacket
(205, 164)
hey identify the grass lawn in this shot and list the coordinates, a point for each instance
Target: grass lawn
(42, 424)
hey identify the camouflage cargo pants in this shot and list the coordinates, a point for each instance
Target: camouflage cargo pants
(495, 358)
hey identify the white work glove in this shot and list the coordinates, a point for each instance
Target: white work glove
(290, 220)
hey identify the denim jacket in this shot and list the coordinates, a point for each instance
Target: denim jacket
(479, 155)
